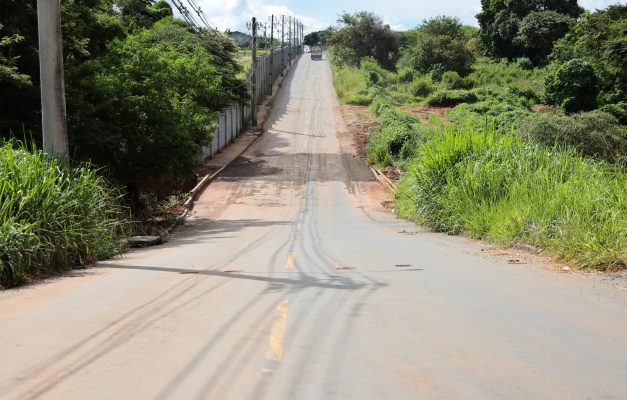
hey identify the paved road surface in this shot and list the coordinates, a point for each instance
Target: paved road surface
(290, 281)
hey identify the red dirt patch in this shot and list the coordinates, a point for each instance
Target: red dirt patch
(359, 123)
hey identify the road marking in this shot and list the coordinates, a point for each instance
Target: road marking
(290, 260)
(299, 227)
(301, 216)
(275, 345)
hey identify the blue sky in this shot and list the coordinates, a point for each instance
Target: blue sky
(317, 15)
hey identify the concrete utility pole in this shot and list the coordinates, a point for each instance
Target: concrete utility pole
(271, 52)
(289, 34)
(53, 118)
(254, 77)
(282, 43)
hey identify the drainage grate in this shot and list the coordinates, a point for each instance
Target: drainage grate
(189, 272)
(234, 270)
(403, 265)
(344, 268)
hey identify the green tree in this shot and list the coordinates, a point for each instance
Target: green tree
(363, 34)
(599, 39)
(539, 31)
(442, 44)
(444, 53)
(149, 107)
(573, 86)
(318, 37)
(500, 23)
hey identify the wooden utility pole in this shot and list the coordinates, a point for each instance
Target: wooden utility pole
(53, 116)
(254, 77)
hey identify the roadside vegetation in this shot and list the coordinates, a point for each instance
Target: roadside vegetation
(530, 144)
(142, 92)
(53, 218)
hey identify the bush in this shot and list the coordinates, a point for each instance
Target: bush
(524, 63)
(452, 81)
(52, 219)
(619, 111)
(594, 134)
(502, 115)
(397, 138)
(574, 86)
(421, 87)
(448, 98)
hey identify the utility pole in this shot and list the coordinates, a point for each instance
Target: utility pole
(254, 77)
(282, 43)
(53, 116)
(289, 33)
(271, 52)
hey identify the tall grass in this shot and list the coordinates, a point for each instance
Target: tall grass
(351, 85)
(501, 74)
(53, 218)
(497, 187)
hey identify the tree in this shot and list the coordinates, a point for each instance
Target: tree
(500, 23)
(538, 32)
(444, 53)
(443, 44)
(573, 86)
(599, 39)
(363, 34)
(149, 106)
(318, 37)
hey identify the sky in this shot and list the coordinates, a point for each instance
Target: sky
(320, 14)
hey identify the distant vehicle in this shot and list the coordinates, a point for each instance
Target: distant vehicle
(316, 52)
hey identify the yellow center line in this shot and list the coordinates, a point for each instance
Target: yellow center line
(290, 260)
(275, 345)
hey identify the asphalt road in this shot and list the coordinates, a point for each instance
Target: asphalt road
(291, 281)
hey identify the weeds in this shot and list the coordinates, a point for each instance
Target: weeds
(52, 218)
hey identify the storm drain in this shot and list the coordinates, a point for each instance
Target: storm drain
(234, 270)
(344, 268)
(403, 265)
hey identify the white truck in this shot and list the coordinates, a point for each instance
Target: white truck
(316, 52)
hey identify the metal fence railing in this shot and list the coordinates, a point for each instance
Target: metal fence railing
(234, 118)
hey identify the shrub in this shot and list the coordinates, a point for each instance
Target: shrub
(524, 63)
(572, 86)
(619, 111)
(397, 138)
(594, 134)
(421, 87)
(448, 98)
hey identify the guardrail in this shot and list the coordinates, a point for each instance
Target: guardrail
(237, 116)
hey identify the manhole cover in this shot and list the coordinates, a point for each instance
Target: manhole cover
(403, 265)
(344, 268)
